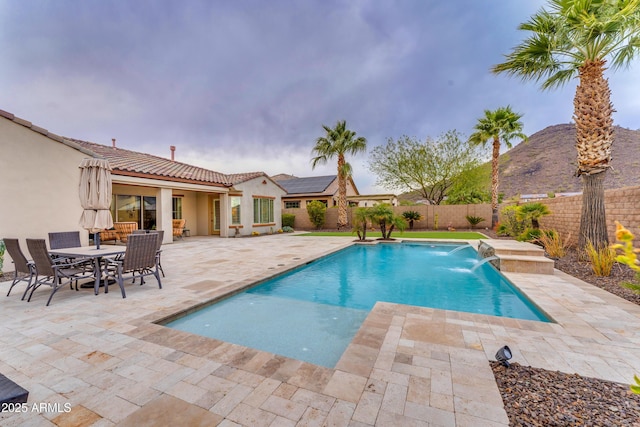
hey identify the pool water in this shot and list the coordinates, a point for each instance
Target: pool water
(313, 312)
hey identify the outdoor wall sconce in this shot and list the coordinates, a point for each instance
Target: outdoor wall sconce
(503, 355)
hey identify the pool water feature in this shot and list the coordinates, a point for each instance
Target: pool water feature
(313, 312)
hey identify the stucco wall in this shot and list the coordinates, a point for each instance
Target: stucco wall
(259, 187)
(38, 186)
(621, 205)
(454, 215)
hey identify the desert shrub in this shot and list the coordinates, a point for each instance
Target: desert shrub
(474, 220)
(2, 249)
(288, 220)
(287, 229)
(601, 258)
(510, 224)
(316, 211)
(554, 245)
(530, 235)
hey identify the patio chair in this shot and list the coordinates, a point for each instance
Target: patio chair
(67, 239)
(178, 227)
(24, 270)
(160, 234)
(139, 261)
(47, 272)
(124, 229)
(64, 239)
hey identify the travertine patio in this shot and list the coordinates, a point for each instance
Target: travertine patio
(105, 358)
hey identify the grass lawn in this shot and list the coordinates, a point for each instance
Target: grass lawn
(466, 235)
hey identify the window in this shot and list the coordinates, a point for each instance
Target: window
(235, 210)
(292, 205)
(128, 208)
(149, 213)
(262, 211)
(177, 207)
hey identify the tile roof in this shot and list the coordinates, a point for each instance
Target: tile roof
(127, 162)
(133, 163)
(312, 184)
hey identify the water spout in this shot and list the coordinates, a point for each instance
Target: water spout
(459, 248)
(484, 261)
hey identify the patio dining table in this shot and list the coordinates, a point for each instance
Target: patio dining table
(93, 253)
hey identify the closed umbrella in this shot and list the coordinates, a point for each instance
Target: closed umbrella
(95, 196)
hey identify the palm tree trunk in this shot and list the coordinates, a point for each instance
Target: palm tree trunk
(593, 114)
(593, 225)
(494, 181)
(342, 193)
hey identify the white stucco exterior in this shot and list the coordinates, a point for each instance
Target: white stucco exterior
(38, 185)
(262, 187)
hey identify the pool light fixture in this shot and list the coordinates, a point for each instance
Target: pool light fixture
(503, 355)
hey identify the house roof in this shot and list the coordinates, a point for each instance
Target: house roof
(312, 184)
(133, 163)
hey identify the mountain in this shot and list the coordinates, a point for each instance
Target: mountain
(547, 162)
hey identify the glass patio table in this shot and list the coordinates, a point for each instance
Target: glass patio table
(93, 253)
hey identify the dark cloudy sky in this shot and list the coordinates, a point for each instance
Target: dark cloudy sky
(241, 86)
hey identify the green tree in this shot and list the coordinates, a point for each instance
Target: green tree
(577, 38)
(338, 142)
(387, 220)
(316, 211)
(498, 126)
(429, 167)
(471, 187)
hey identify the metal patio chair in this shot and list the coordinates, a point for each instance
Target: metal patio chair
(49, 273)
(67, 239)
(160, 234)
(139, 260)
(24, 270)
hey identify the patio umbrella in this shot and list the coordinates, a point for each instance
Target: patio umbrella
(95, 196)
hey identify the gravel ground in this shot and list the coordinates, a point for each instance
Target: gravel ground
(537, 397)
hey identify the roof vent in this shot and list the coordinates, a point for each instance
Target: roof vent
(173, 152)
(113, 142)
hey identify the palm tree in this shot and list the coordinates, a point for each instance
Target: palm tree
(361, 218)
(501, 125)
(577, 38)
(533, 212)
(336, 143)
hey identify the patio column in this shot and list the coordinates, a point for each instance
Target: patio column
(225, 213)
(164, 213)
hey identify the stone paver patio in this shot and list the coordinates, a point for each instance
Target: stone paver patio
(100, 360)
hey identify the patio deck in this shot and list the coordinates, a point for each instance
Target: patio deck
(100, 361)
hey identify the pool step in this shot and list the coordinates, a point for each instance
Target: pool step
(526, 264)
(517, 257)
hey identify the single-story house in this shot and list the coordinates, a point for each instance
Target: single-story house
(302, 191)
(39, 177)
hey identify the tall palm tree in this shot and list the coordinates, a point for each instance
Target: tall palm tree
(337, 142)
(498, 126)
(577, 38)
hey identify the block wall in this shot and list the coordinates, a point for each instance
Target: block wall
(622, 205)
(454, 215)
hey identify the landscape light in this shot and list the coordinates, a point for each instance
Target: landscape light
(503, 355)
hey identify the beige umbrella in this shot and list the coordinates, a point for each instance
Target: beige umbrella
(95, 196)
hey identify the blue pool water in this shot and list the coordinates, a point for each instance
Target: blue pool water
(312, 313)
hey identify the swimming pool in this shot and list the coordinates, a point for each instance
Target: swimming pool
(312, 313)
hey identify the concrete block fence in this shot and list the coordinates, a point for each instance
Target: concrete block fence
(447, 215)
(621, 204)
